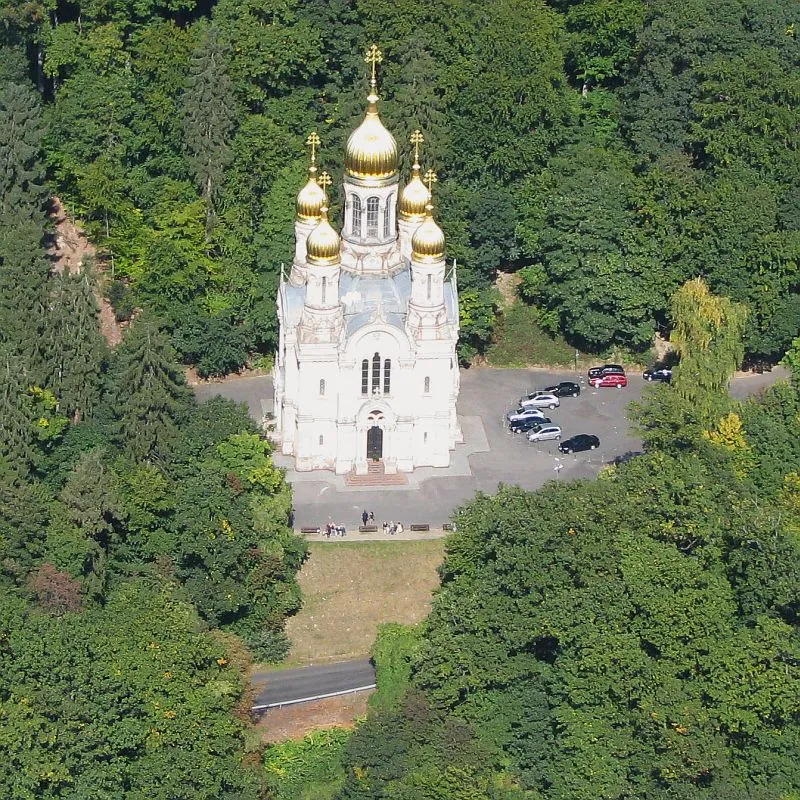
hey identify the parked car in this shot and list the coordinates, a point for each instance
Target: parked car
(664, 375)
(605, 381)
(606, 369)
(538, 400)
(564, 389)
(582, 441)
(524, 425)
(525, 413)
(543, 433)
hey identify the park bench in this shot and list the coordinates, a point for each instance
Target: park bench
(309, 530)
(367, 528)
(420, 526)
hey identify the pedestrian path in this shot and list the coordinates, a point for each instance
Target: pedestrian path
(378, 536)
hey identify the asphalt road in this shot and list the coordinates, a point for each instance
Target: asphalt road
(283, 687)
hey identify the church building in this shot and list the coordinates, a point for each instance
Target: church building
(366, 370)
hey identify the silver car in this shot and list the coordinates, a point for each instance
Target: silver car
(543, 400)
(524, 413)
(543, 433)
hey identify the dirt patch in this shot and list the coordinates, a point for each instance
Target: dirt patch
(507, 283)
(350, 589)
(294, 722)
(68, 251)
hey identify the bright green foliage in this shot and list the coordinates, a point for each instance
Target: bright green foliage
(148, 393)
(125, 701)
(308, 769)
(708, 337)
(396, 646)
(477, 311)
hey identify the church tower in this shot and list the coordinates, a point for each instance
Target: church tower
(366, 371)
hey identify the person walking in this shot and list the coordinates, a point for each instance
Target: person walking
(364, 517)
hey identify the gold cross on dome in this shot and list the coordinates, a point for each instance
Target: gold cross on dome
(324, 181)
(430, 179)
(373, 57)
(313, 143)
(416, 139)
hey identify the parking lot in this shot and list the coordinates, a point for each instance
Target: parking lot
(490, 455)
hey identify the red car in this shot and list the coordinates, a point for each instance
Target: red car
(609, 381)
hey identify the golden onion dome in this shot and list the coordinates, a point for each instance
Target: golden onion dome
(427, 243)
(371, 152)
(414, 198)
(323, 245)
(310, 198)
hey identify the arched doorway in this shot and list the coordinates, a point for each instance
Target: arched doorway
(374, 443)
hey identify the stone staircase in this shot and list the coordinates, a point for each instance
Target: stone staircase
(376, 476)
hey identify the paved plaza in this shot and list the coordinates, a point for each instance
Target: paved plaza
(490, 455)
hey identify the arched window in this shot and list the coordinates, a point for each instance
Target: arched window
(427, 385)
(322, 387)
(372, 216)
(376, 373)
(430, 283)
(321, 440)
(356, 215)
(387, 376)
(365, 376)
(325, 288)
(387, 218)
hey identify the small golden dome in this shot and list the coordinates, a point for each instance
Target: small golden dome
(371, 152)
(414, 198)
(323, 245)
(427, 243)
(310, 198)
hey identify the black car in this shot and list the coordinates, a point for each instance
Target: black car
(525, 425)
(564, 389)
(583, 441)
(606, 369)
(664, 375)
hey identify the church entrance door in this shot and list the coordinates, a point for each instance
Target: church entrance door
(375, 443)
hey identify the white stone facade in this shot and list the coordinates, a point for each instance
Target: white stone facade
(366, 367)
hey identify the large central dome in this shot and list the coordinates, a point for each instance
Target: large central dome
(371, 153)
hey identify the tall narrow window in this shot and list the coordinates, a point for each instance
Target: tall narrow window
(372, 216)
(365, 376)
(430, 283)
(387, 376)
(325, 288)
(427, 385)
(376, 373)
(322, 387)
(356, 215)
(387, 218)
(322, 440)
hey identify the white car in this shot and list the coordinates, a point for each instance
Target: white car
(543, 433)
(543, 400)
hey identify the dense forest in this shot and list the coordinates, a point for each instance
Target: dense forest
(634, 636)
(608, 150)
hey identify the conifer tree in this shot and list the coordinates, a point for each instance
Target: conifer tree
(209, 117)
(76, 349)
(21, 166)
(149, 396)
(16, 432)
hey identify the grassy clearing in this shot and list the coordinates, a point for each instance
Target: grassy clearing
(351, 588)
(521, 342)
